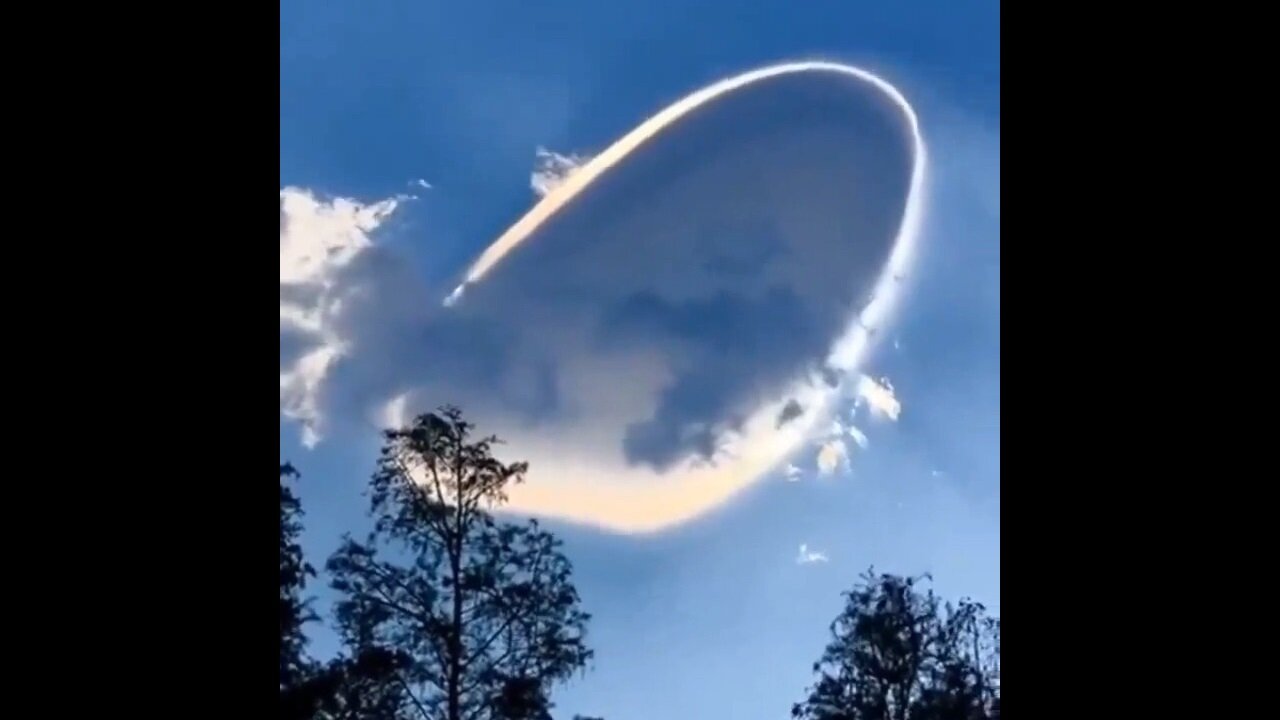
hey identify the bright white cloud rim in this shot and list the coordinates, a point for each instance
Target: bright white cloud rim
(846, 352)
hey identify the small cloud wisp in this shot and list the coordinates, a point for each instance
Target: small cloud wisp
(809, 557)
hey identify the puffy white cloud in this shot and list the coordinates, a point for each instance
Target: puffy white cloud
(319, 237)
(858, 436)
(833, 452)
(319, 240)
(551, 169)
(393, 415)
(832, 456)
(300, 387)
(879, 397)
(809, 557)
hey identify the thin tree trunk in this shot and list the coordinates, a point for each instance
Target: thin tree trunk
(455, 647)
(455, 567)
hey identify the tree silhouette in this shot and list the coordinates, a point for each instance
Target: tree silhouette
(294, 572)
(364, 687)
(307, 688)
(897, 653)
(473, 619)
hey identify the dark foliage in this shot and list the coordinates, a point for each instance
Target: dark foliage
(473, 619)
(294, 572)
(898, 654)
(365, 686)
(306, 687)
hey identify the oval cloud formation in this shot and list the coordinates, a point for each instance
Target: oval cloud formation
(669, 323)
(672, 320)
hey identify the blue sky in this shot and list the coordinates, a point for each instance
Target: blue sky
(715, 618)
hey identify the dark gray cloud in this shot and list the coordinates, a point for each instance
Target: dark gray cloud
(792, 410)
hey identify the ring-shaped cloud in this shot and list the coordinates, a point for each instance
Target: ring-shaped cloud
(672, 321)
